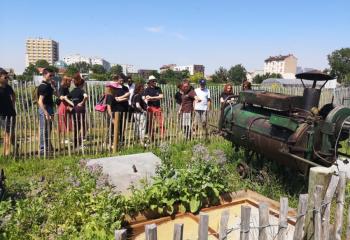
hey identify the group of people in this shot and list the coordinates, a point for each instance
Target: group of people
(141, 102)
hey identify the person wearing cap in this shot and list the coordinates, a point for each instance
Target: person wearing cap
(202, 106)
(152, 96)
(117, 102)
(46, 90)
(7, 111)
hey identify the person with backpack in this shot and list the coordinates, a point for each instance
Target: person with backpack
(45, 92)
(117, 102)
(78, 98)
(7, 111)
(139, 107)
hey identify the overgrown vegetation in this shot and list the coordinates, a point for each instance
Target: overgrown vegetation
(63, 199)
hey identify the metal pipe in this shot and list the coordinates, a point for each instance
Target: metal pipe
(301, 159)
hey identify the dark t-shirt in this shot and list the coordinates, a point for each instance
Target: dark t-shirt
(187, 101)
(63, 91)
(6, 106)
(153, 92)
(118, 106)
(178, 97)
(224, 95)
(76, 95)
(137, 98)
(46, 90)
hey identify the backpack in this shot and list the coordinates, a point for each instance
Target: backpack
(101, 105)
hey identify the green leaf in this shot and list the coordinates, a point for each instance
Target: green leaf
(182, 208)
(194, 205)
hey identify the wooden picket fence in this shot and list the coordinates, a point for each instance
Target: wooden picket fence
(312, 220)
(97, 135)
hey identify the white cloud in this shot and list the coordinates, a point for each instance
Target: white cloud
(179, 35)
(156, 29)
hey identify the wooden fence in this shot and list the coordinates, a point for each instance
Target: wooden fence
(315, 206)
(98, 138)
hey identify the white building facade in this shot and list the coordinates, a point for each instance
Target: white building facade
(76, 58)
(192, 69)
(285, 65)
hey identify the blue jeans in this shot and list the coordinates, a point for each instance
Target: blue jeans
(45, 130)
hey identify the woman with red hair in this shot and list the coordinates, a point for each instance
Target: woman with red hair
(64, 106)
(228, 91)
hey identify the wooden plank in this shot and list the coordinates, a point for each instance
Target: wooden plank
(348, 227)
(116, 131)
(178, 231)
(338, 224)
(263, 221)
(151, 232)
(325, 211)
(283, 223)
(317, 212)
(225, 215)
(300, 221)
(245, 222)
(203, 226)
(120, 234)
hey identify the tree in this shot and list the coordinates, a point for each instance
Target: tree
(339, 61)
(82, 67)
(71, 70)
(237, 74)
(155, 73)
(117, 69)
(220, 75)
(98, 69)
(42, 64)
(196, 77)
(260, 78)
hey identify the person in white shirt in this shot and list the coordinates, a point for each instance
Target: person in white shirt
(131, 86)
(202, 105)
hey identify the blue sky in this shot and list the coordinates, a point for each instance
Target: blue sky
(151, 33)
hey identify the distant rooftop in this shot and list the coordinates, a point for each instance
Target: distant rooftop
(278, 58)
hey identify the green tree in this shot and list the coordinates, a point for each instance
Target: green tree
(28, 73)
(220, 75)
(196, 77)
(100, 76)
(42, 64)
(82, 67)
(71, 70)
(237, 74)
(117, 69)
(98, 69)
(339, 62)
(260, 78)
(155, 73)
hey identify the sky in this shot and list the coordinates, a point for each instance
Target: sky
(151, 33)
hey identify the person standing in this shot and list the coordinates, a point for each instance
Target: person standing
(65, 106)
(46, 90)
(7, 111)
(246, 85)
(202, 106)
(228, 92)
(140, 112)
(152, 96)
(78, 97)
(131, 86)
(187, 101)
(178, 97)
(117, 102)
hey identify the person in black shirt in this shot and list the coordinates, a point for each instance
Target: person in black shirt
(117, 103)
(46, 90)
(152, 96)
(140, 112)
(7, 111)
(178, 97)
(78, 97)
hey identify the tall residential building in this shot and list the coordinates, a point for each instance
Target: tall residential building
(285, 65)
(127, 68)
(75, 58)
(41, 49)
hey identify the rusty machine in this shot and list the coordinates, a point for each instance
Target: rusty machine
(290, 130)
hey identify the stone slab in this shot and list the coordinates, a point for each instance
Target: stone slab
(121, 172)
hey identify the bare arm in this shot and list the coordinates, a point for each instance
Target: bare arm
(42, 106)
(109, 111)
(123, 98)
(155, 98)
(84, 100)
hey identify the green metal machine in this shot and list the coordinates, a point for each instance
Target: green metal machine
(290, 130)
